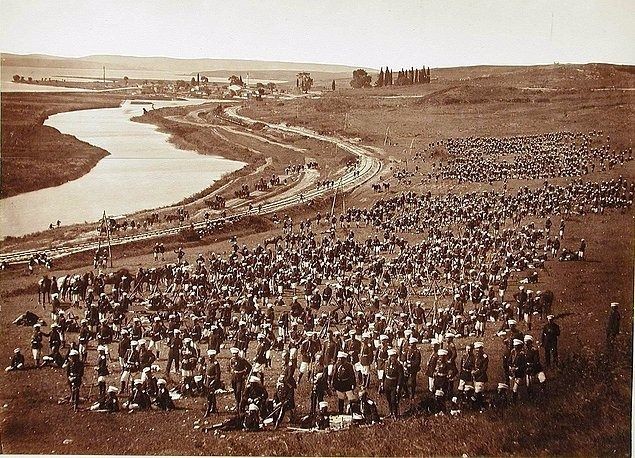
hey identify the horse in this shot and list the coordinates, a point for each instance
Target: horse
(44, 290)
(272, 241)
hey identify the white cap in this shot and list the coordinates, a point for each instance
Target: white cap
(407, 332)
(254, 379)
(187, 340)
(503, 386)
(101, 348)
(323, 404)
(101, 378)
(141, 342)
(211, 352)
(134, 343)
(550, 317)
(351, 332)
(234, 350)
(614, 304)
(198, 378)
(511, 322)
(161, 381)
(392, 352)
(73, 353)
(342, 354)
(17, 350)
(156, 318)
(138, 381)
(517, 342)
(413, 340)
(478, 345)
(55, 325)
(253, 408)
(37, 325)
(528, 338)
(366, 335)
(113, 389)
(439, 393)
(147, 369)
(449, 335)
(383, 337)
(442, 352)
(262, 336)
(434, 342)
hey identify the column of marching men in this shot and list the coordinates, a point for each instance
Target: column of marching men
(362, 326)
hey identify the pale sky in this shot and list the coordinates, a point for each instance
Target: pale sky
(370, 33)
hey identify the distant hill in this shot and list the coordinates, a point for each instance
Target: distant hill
(167, 64)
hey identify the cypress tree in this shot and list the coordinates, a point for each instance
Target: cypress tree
(380, 78)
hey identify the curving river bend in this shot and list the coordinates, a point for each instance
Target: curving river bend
(143, 171)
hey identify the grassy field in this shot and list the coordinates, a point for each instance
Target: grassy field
(35, 156)
(587, 408)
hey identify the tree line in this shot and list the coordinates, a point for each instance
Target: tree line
(404, 77)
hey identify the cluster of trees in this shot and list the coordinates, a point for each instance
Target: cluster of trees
(404, 77)
(361, 78)
(304, 81)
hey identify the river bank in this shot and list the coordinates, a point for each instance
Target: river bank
(35, 156)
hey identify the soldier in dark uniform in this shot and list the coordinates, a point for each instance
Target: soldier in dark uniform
(550, 334)
(533, 369)
(613, 325)
(174, 351)
(517, 367)
(432, 364)
(322, 419)
(343, 380)
(212, 381)
(240, 369)
(163, 399)
(381, 357)
(392, 382)
(254, 393)
(413, 366)
(74, 373)
(16, 361)
(284, 400)
(36, 343)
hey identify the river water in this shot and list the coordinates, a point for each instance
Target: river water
(143, 171)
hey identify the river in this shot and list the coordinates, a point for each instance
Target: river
(143, 171)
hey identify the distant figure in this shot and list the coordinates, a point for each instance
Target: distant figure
(333, 85)
(58, 223)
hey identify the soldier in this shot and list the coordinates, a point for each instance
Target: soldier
(240, 369)
(212, 382)
(432, 364)
(466, 367)
(174, 351)
(16, 361)
(55, 338)
(366, 359)
(74, 373)
(308, 348)
(517, 367)
(322, 420)
(163, 399)
(111, 403)
(36, 343)
(139, 398)
(83, 339)
(381, 357)
(343, 380)
(479, 374)
(441, 371)
(255, 393)
(413, 366)
(284, 400)
(533, 367)
(613, 326)
(392, 382)
(319, 390)
(130, 366)
(189, 357)
(252, 421)
(550, 333)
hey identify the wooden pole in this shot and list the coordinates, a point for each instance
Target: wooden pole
(386, 136)
(108, 238)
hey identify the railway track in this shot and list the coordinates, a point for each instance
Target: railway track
(368, 166)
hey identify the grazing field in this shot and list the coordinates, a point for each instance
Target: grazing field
(35, 156)
(586, 409)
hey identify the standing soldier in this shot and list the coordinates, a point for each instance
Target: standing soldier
(343, 380)
(174, 351)
(381, 357)
(366, 358)
(533, 368)
(479, 373)
(613, 326)
(392, 381)
(36, 343)
(517, 366)
(432, 364)
(212, 381)
(74, 372)
(413, 363)
(465, 368)
(240, 369)
(550, 333)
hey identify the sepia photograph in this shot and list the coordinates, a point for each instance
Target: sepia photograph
(332, 228)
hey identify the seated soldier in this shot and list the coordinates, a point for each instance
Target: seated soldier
(16, 361)
(252, 420)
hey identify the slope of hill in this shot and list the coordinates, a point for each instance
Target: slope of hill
(164, 63)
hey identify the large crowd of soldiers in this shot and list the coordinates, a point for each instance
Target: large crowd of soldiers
(403, 313)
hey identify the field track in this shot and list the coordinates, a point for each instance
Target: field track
(367, 168)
